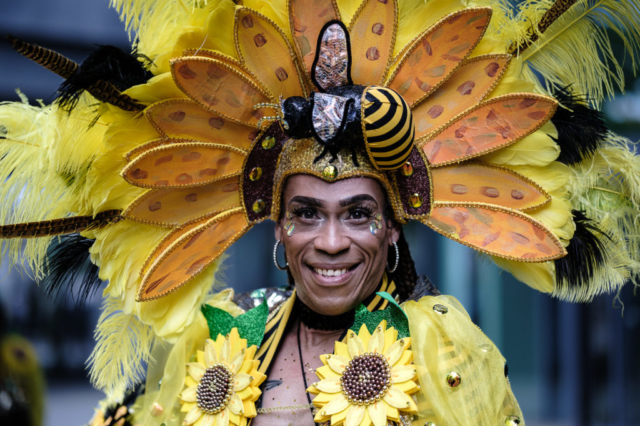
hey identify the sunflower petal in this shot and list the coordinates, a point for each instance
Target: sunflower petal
(376, 343)
(189, 394)
(354, 345)
(336, 405)
(398, 399)
(355, 415)
(330, 385)
(241, 381)
(225, 352)
(378, 413)
(237, 361)
(337, 363)
(208, 420)
(196, 370)
(235, 405)
(223, 418)
(210, 357)
(394, 352)
(193, 415)
(402, 373)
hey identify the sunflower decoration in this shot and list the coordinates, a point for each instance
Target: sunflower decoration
(223, 383)
(368, 380)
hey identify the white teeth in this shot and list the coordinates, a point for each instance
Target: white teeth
(330, 272)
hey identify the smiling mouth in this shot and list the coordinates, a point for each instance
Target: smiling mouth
(333, 272)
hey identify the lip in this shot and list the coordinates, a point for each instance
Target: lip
(324, 281)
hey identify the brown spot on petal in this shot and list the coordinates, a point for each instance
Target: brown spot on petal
(435, 111)
(427, 47)
(452, 58)
(529, 256)
(184, 178)
(165, 159)
(230, 187)
(232, 101)
(191, 198)
(526, 103)
(461, 131)
(435, 149)
(281, 73)
(247, 21)
(186, 72)
(489, 239)
(459, 189)
(260, 40)
(223, 160)
(208, 172)
(466, 88)
(454, 19)
(544, 248)
(425, 87)
(505, 131)
(197, 265)
(192, 156)
(437, 33)
(454, 38)
(517, 195)
(192, 240)
(460, 217)
(215, 72)
(211, 100)
(489, 191)
(155, 284)
(492, 116)
(471, 150)
(492, 69)
(297, 26)
(538, 115)
(519, 238)
(540, 234)
(177, 115)
(373, 54)
(155, 206)
(383, 1)
(216, 122)
(377, 28)
(435, 71)
(139, 174)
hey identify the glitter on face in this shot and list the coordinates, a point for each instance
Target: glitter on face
(215, 389)
(366, 379)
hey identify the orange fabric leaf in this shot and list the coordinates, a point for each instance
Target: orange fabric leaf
(466, 87)
(182, 165)
(497, 231)
(483, 183)
(175, 207)
(219, 88)
(191, 254)
(266, 52)
(491, 125)
(182, 118)
(433, 56)
(373, 34)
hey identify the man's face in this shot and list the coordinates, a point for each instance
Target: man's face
(333, 256)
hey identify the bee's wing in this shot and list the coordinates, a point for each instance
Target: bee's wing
(332, 64)
(329, 116)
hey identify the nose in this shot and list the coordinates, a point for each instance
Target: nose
(332, 238)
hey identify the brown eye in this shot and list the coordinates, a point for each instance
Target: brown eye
(360, 214)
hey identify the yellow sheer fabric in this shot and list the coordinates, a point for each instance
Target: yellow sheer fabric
(445, 341)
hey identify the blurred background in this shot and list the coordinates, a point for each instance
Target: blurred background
(569, 364)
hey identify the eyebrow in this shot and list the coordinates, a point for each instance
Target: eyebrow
(357, 199)
(310, 201)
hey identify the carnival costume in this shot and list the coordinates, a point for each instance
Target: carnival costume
(479, 123)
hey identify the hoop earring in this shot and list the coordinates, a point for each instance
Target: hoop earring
(391, 271)
(275, 257)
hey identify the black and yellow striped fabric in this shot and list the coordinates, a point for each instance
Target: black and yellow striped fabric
(388, 127)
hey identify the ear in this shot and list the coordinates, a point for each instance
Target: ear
(394, 231)
(332, 64)
(278, 231)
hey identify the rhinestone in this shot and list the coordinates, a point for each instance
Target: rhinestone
(441, 309)
(415, 200)
(255, 174)
(429, 424)
(378, 224)
(378, 217)
(288, 215)
(258, 206)
(290, 230)
(330, 172)
(373, 228)
(453, 379)
(268, 142)
(512, 421)
(407, 169)
(288, 225)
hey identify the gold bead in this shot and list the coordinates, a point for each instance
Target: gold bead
(441, 309)
(255, 174)
(415, 200)
(330, 172)
(258, 206)
(429, 424)
(453, 379)
(268, 142)
(512, 421)
(407, 169)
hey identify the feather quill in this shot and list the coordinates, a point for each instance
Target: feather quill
(118, 361)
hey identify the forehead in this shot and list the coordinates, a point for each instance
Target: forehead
(311, 186)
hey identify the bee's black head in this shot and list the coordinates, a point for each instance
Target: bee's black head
(297, 114)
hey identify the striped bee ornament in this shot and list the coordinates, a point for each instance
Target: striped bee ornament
(388, 128)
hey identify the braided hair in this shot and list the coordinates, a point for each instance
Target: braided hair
(405, 276)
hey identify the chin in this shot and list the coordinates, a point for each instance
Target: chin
(332, 298)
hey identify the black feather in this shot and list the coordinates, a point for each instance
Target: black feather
(581, 130)
(109, 64)
(586, 253)
(69, 272)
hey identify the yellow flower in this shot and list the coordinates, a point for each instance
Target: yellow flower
(223, 383)
(367, 380)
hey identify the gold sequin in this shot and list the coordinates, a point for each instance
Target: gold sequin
(330, 172)
(407, 169)
(453, 379)
(255, 174)
(415, 200)
(268, 142)
(512, 421)
(258, 206)
(441, 309)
